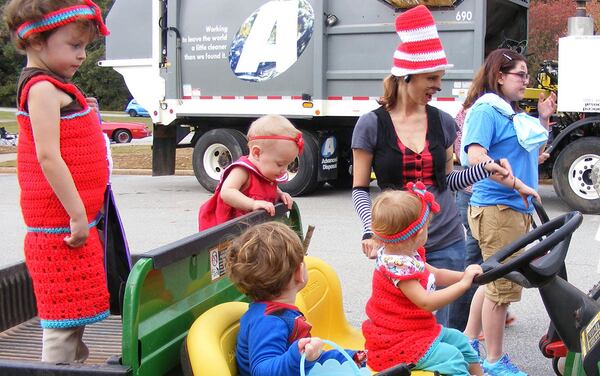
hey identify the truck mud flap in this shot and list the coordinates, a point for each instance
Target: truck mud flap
(328, 157)
(21, 346)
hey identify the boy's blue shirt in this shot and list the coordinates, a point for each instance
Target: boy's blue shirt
(494, 132)
(267, 342)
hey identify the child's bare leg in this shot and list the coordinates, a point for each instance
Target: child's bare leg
(473, 328)
(475, 369)
(493, 318)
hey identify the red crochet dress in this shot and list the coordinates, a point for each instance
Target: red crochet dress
(215, 211)
(69, 284)
(397, 331)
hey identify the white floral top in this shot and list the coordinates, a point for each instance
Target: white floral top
(404, 267)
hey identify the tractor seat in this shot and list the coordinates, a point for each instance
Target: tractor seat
(209, 348)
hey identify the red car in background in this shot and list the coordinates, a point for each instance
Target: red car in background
(123, 132)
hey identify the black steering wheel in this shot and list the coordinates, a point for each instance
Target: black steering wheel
(534, 266)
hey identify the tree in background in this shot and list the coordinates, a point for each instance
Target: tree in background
(547, 23)
(103, 83)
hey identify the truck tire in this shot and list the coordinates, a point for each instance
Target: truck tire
(214, 151)
(571, 175)
(304, 170)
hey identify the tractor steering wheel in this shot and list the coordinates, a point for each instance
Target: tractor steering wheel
(542, 261)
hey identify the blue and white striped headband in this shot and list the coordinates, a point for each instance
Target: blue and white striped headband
(62, 17)
(428, 206)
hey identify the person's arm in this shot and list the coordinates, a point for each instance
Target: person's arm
(285, 198)
(313, 348)
(444, 277)
(44, 103)
(432, 301)
(478, 153)
(231, 193)
(268, 350)
(269, 353)
(461, 179)
(361, 197)
(546, 107)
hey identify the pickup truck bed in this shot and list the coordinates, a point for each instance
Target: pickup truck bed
(167, 289)
(24, 341)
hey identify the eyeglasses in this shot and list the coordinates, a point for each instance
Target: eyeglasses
(522, 75)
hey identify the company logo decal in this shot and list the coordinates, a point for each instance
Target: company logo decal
(329, 146)
(271, 40)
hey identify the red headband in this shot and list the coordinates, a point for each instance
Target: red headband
(428, 206)
(63, 17)
(298, 140)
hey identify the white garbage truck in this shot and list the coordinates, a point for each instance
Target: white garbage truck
(211, 67)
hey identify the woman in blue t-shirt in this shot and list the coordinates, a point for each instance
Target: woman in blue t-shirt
(499, 215)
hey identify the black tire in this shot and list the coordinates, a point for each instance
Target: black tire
(571, 175)
(556, 367)
(304, 170)
(344, 170)
(214, 151)
(133, 113)
(122, 136)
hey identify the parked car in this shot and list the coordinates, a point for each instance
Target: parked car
(134, 109)
(122, 132)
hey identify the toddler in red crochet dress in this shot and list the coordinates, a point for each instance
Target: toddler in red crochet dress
(266, 263)
(250, 183)
(401, 326)
(62, 169)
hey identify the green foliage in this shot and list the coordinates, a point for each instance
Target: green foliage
(103, 83)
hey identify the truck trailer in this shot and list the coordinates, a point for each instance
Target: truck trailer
(212, 67)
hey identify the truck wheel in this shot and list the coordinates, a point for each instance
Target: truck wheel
(132, 113)
(571, 175)
(304, 170)
(214, 151)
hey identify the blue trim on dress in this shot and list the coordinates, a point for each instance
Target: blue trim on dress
(77, 114)
(70, 323)
(67, 117)
(57, 19)
(61, 230)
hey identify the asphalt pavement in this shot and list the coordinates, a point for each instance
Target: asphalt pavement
(159, 210)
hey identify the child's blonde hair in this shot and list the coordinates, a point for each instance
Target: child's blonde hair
(271, 125)
(393, 211)
(17, 12)
(262, 261)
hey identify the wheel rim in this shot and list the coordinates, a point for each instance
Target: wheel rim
(123, 137)
(580, 176)
(216, 158)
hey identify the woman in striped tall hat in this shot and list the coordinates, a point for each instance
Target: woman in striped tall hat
(407, 140)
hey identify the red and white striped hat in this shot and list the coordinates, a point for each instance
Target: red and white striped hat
(421, 50)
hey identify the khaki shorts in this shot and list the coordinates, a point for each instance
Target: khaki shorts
(495, 227)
